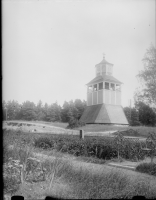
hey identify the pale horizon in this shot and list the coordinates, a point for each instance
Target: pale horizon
(50, 48)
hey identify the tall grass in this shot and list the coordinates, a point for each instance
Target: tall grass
(108, 185)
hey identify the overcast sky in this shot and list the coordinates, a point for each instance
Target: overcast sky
(50, 48)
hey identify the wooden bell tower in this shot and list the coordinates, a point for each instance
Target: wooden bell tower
(104, 97)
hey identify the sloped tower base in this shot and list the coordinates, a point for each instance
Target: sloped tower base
(104, 114)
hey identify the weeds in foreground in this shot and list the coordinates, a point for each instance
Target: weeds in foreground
(85, 184)
(107, 185)
(57, 168)
(14, 166)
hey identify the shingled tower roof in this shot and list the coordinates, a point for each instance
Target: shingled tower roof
(105, 114)
(104, 78)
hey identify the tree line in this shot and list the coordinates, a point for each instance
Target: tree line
(71, 112)
(28, 110)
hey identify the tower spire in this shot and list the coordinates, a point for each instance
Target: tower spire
(103, 55)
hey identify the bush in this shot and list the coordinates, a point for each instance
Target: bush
(149, 168)
(74, 123)
(10, 185)
(103, 148)
(43, 143)
(11, 175)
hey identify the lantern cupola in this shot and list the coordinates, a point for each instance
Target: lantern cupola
(104, 68)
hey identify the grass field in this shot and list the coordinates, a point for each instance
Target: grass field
(57, 124)
(141, 131)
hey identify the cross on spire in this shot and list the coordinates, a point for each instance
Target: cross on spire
(103, 55)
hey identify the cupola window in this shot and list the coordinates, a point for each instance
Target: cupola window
(95, 87)
(90, 89)
(112, 86)
(98, 71)
(118, 87)
(107, 85)
(101, 86)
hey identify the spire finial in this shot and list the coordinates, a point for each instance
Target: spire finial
(103, 55)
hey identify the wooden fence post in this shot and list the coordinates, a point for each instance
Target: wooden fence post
(82, 134)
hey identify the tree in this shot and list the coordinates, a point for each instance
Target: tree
(39, 111)
(147, 116)
(4, 110)
(64, 112)
(28, 111)
(57, 110)
(11, 110)
(132, 116)
(80, 107)
(147, 77)
(46, 112)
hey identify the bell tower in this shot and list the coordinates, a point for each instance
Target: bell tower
(104, 97)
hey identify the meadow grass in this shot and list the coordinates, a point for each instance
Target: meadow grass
(108, 185)
(142, 130)
(56, 124)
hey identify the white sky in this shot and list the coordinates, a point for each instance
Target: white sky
(50, 48)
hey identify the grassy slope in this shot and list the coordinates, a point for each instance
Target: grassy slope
(142, 130)
(56, 124)
(85, 180)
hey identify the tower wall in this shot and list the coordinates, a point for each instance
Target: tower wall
(112, 97)
(89, 99)
(107, 96)
(104, 96)
(100, 96)
(118, 98)
(95, 98)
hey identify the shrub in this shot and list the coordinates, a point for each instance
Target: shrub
(43, 142)
(74, 123)
(149, 168)
(103, 148)
(10, 185)
(11, 175)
